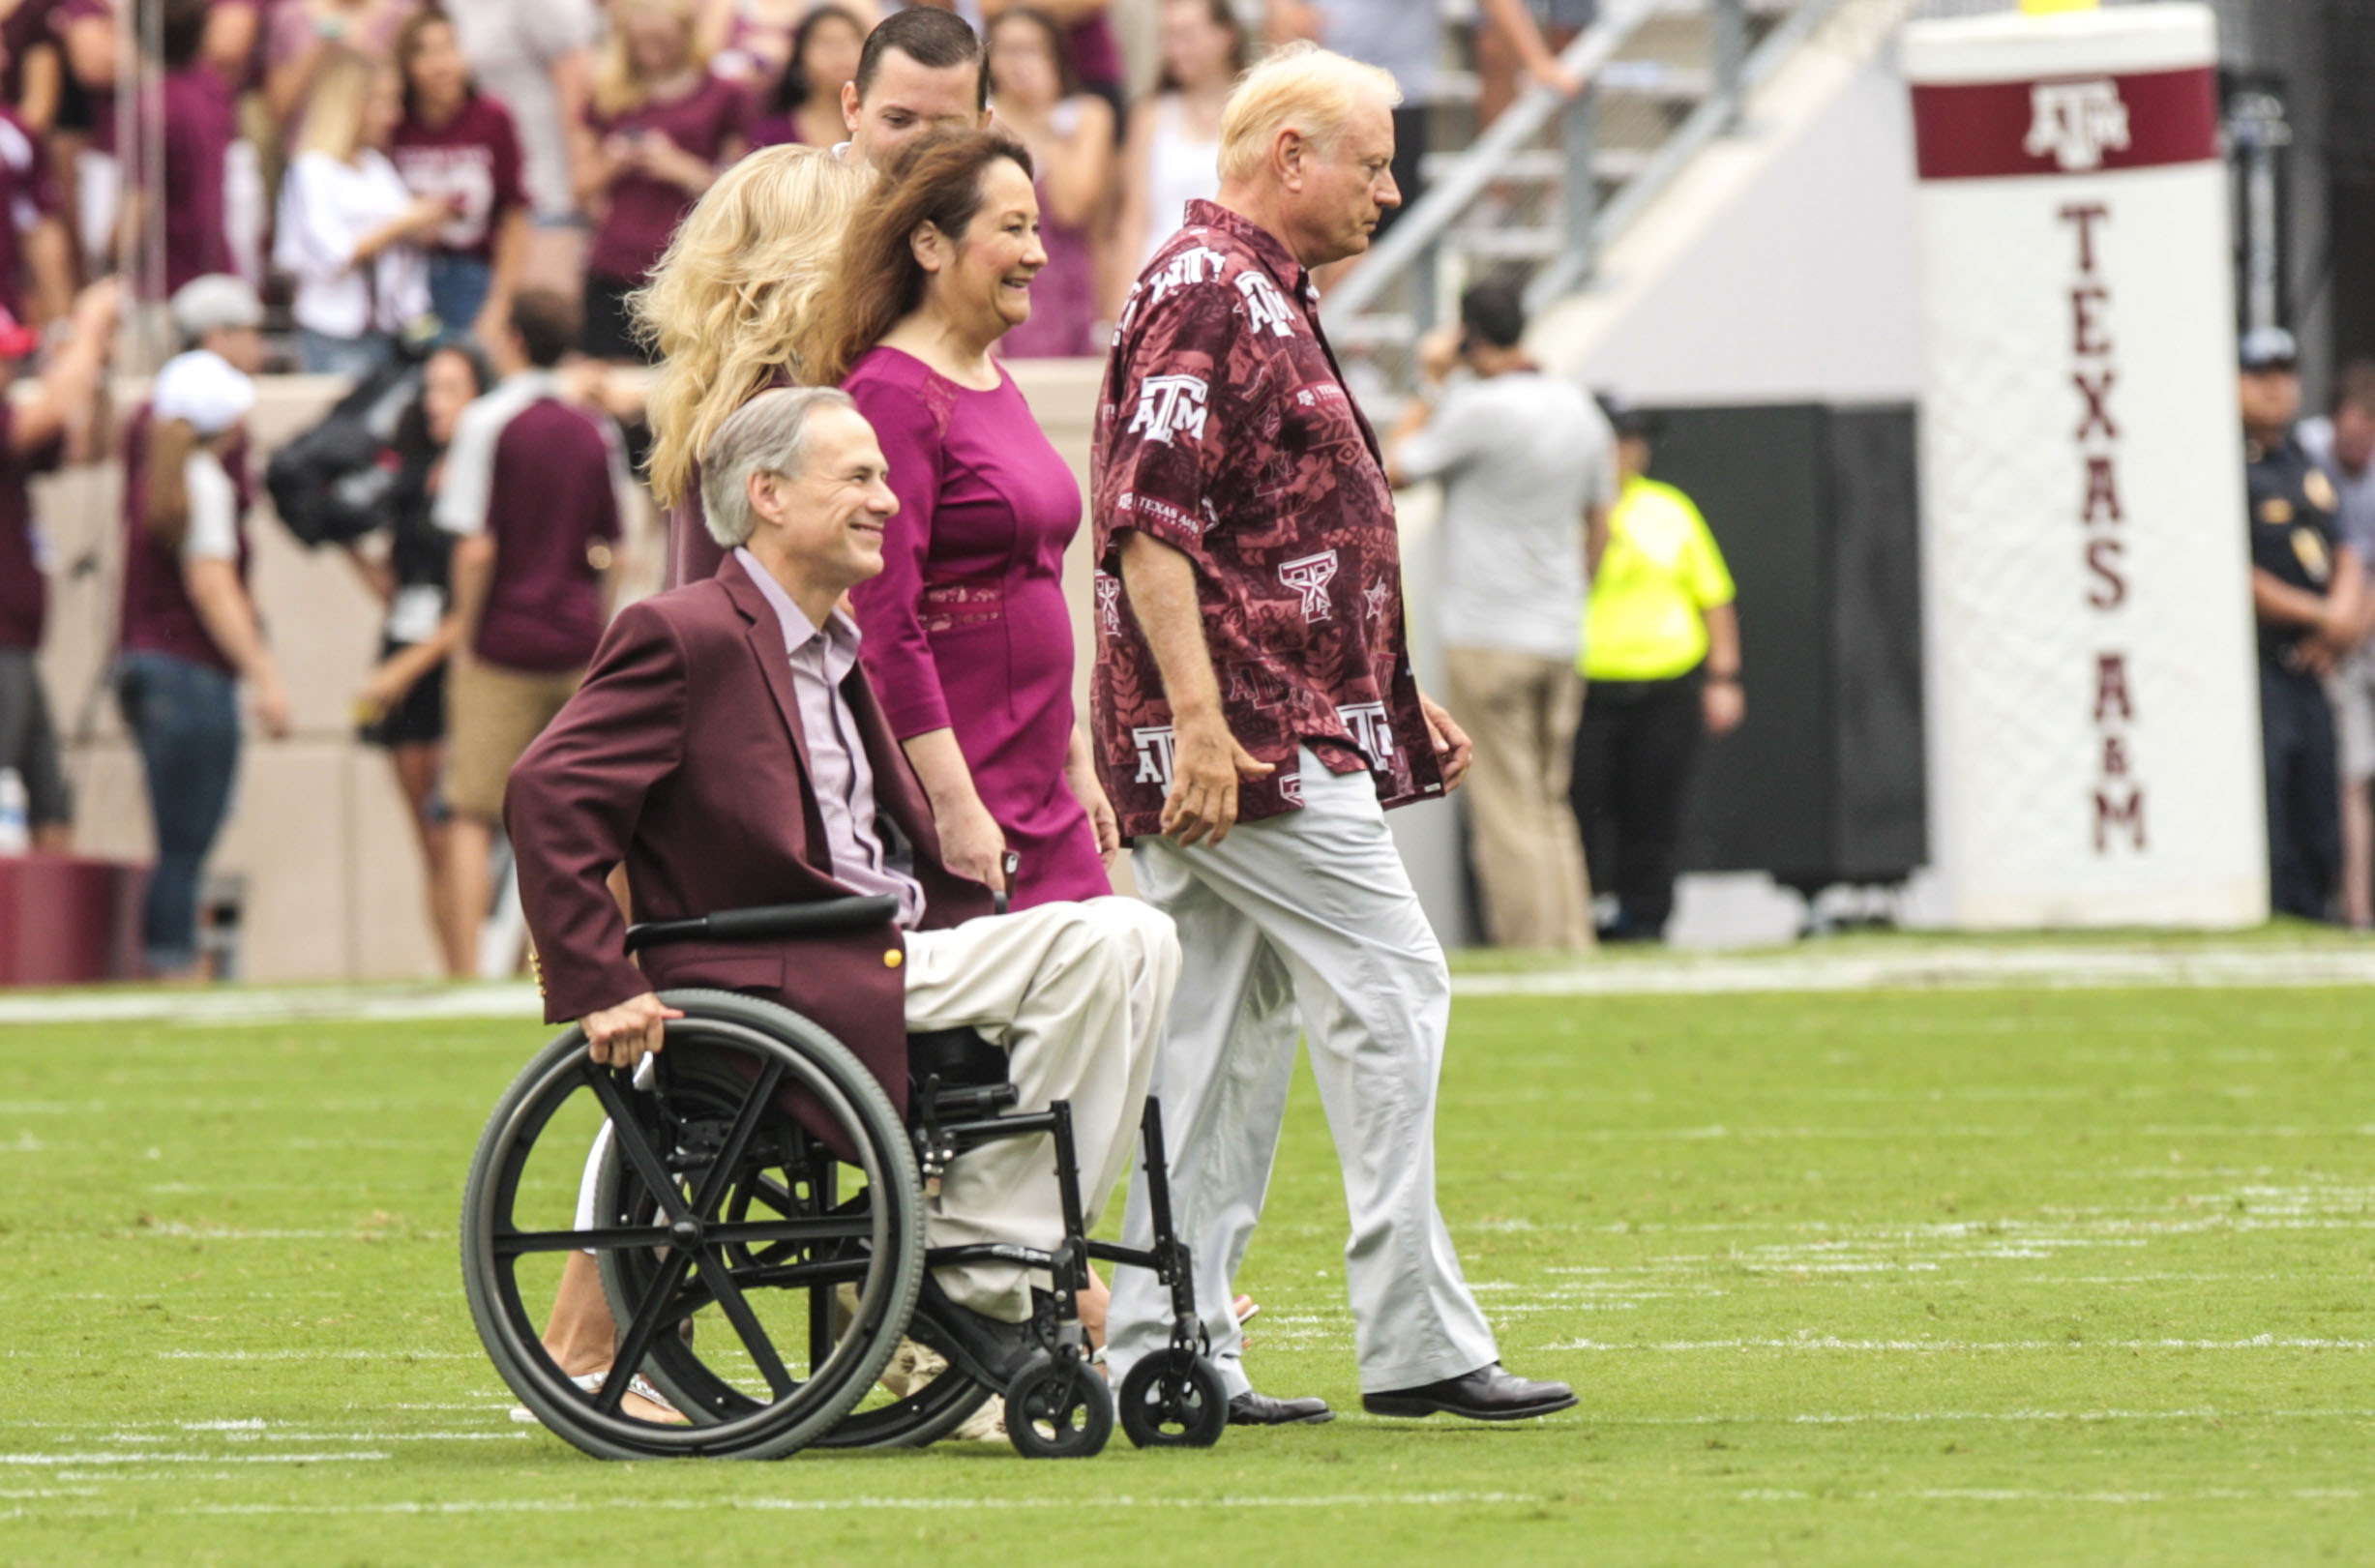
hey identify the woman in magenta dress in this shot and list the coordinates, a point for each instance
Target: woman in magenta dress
(967, 637)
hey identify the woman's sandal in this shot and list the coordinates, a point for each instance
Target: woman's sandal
(639, 1387)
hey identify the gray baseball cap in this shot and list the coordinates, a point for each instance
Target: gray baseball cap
(2268, 348)
(215, 302)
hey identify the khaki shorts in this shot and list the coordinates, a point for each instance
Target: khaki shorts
(492, 716)
(2352, 693)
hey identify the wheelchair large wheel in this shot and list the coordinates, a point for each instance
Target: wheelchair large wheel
(910, 1419)
(716, 1230)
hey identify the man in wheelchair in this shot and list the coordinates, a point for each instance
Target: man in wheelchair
(727, 750)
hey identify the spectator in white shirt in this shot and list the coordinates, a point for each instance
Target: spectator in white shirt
(1528, 471)
(350, 233)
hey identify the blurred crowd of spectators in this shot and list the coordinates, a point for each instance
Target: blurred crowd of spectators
(442, 202)
(456, 147)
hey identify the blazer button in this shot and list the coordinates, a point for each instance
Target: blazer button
(893, 959)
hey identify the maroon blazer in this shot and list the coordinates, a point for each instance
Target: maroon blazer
(683, 756)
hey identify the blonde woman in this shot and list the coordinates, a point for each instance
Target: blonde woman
(352, 234)
(660, 129)
(725, 306)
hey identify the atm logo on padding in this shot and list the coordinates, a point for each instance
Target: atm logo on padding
(2076, 122)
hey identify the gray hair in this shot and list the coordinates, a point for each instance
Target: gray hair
(766, 435)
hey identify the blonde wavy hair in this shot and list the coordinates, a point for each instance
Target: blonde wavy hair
(726, 305)
(619, 89)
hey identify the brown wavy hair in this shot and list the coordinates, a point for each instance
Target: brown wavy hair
(877, 282)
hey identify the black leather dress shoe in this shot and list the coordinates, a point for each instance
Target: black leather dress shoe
(1487, 1394)
(1252, 1410)
(959, 1332)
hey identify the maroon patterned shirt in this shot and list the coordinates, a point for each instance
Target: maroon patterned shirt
(1224, 430)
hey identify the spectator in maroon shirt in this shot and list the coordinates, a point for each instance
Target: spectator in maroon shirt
(1070, 134)
(31, 71)
(37, 433)
(235, 43)
(805, 106)
(660, 127)
(37, 252)
(1255, 713)
(200, 123)
(457, 144)
(531, 493)
(190, 634)
(86, 31)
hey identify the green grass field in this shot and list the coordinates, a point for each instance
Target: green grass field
(1987, 1277)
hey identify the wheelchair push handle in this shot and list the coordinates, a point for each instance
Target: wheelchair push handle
(819, 918)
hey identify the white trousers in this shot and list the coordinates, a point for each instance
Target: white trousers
(1310, 914)
(1076, 995)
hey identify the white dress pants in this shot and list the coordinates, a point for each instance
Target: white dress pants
(1077, 996)
(1305, 917)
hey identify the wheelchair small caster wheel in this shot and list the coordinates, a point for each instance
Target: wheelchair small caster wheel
(1059, 1409)
(1175, 1398)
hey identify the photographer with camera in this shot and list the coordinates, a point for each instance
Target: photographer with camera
(401, 705)
(1528, 472)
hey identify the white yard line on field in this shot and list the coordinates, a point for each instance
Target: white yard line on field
(78, 1460)
(2028, 1494)
(1826, 1341)
(1924, 966)
(822, 1505)
(1947, 965)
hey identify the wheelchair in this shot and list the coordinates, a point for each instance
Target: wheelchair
(756, 1219)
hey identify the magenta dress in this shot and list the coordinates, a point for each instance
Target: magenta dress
(966, 628)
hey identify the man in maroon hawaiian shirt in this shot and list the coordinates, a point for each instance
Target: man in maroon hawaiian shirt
(1252, 674)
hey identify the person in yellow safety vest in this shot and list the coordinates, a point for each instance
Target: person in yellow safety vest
(1662, 665)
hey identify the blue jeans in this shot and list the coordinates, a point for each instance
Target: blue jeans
(321, 354)
(457, 289)
(185, 719)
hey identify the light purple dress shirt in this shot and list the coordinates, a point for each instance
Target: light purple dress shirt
(844, 781)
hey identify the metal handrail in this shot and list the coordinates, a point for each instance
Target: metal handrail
(1418, 230)
(1423, 227)
(1718, 114)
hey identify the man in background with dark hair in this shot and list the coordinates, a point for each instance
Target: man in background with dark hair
(921, 70)
(2342, 445)
(1528, 471)
(532, 492)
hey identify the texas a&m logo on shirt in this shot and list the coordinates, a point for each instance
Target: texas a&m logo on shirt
(2076, 122)
(1265, 306)
(1310, 576)
(1109, 603)
(1372, 731)
(1170, 402)
(1155, 748)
